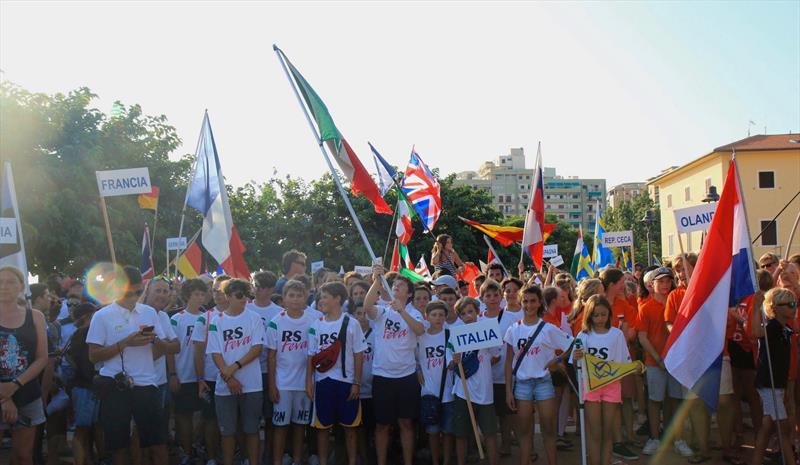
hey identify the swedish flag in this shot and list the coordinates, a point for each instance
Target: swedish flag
(601, 256)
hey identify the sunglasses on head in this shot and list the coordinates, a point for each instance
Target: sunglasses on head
(787, 304)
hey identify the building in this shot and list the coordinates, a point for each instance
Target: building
(769, 168)
(624, 193)
(571, 199)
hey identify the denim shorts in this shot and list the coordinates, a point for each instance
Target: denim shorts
(534, 388)
(445, 420)
(86, 407)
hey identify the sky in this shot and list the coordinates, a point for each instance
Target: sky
(616, 90)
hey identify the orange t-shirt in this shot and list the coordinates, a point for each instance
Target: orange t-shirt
(554, 318)
(620, 306)
(577, 325)
(673, 304)
(651, 321)
(742, 334)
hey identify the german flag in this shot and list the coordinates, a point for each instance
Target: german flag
(190, 261)
(149, 201)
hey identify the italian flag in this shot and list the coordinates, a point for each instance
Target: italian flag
(360, 180)
(404, 230)
(401, 262)
(576, 256)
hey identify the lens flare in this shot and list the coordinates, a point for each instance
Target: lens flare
(106, 282)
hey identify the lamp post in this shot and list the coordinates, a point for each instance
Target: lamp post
(711, 197)
(648, 219)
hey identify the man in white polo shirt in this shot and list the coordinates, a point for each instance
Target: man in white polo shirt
(123, 336)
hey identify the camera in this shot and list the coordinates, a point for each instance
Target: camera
(123, 382)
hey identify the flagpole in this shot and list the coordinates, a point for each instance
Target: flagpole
(335, 176)
(581, 413)
(186, 197)
(104, 210)
(153, 237)
(494, 252)
(791, 236)
(391, 228)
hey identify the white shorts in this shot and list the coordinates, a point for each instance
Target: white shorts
(292, 407)
(778, 413)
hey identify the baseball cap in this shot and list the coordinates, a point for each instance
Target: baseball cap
(662, 271)
(445, 280)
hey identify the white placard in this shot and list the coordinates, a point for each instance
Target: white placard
(124, 182)
(363, 270)
(618, 239)
(317, 265)
(550, 250)
(175, 243)
(8, 230)
(694, 218)
(557, 261)
(479, 335)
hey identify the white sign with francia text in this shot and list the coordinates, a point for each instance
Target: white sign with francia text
(695, 218)
(479, 335)
(8, 230)
(124, 182)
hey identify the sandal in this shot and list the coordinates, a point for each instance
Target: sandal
(699, 458)
(733, 460)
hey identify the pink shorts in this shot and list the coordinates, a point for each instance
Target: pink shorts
(610, 393)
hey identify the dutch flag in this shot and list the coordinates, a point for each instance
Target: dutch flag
(723, 276)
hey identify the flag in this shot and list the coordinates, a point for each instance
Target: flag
(146, 268)
(207, 195)
(12, 246)
(395, 263)
(422, 189)
(469, 274)
(360, 180)
(483, 266)
(581, 261)
(403, 229)
(627, 263)
(576, 256)
(149, 201)
(601, 256)
(386, 172)
(189, 263)
(404, 257)
(505, 235)
(599, 372)
(422, 268)
(723, 275)
(533, 236)
(412, 275)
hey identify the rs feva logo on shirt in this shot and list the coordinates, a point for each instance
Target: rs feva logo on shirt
(235, 338)
(293, 340)
(391, 330)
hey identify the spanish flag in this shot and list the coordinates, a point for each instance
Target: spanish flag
(149, 201)
(505, 235)
(190, 260)
(599, 372)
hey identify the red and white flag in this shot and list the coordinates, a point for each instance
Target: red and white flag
(533, 236)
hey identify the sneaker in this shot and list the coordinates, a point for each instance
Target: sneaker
(211, 462)
(313, 460)
(651, 446)
(682, 448)
(286, 460)
(620, 450)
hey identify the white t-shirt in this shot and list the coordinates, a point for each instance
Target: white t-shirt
(233, 337)
(481, 389)
(458, 322)
(114, 323)
(432, 356)
(315, 314)
(288, 337)
(267, 314)
(506, 320)
(324, 333)
(169, 334)
(200, 334)
(366, 363)
(542, 351)
(610, 346)
(183, 325)
(395, 344)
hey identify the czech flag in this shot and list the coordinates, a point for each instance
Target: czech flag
(723, 276)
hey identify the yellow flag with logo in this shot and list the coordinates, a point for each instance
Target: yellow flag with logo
(599, 372)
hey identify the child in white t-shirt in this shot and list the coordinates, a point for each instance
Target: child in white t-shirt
(367, 429)
(480, 389)
(600, 339)
(287, 345)
(532, 381)
(435, 379)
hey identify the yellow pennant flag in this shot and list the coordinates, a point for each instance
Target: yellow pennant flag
(599, 372)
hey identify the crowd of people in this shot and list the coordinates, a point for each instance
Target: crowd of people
(298, 369)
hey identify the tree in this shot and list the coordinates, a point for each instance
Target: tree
(628, 216)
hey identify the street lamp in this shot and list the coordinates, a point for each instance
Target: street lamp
(648, 219)
(711, 195)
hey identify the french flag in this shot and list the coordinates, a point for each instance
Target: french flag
(723, 276)
(207, 194)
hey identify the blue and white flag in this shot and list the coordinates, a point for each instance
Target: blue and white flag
(386, 173)
(12, 246)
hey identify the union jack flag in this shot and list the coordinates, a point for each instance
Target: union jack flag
(422, 190)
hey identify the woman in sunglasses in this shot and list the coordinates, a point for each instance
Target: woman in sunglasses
(235, 340)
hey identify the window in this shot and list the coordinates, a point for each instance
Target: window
(671, 244)
(527, 177)
(770, 235)
(561, 217)
(687, 194)
(669, 200)
(500, 208)
(500, 198)
(560, 206)
(575, 206)
(575, 196)
(522, 187)
(590, 207)
(508, 198)
(766, 179)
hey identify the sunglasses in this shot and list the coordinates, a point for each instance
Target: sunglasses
(767, 265)
(787, 304)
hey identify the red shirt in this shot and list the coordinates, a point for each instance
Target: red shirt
(741, 333)
(651, 321)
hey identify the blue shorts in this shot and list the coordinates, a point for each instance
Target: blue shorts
(86, 407)
(445, 420)
(534, 388)
(331, 405)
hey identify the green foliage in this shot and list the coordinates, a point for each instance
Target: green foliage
(628, 215)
